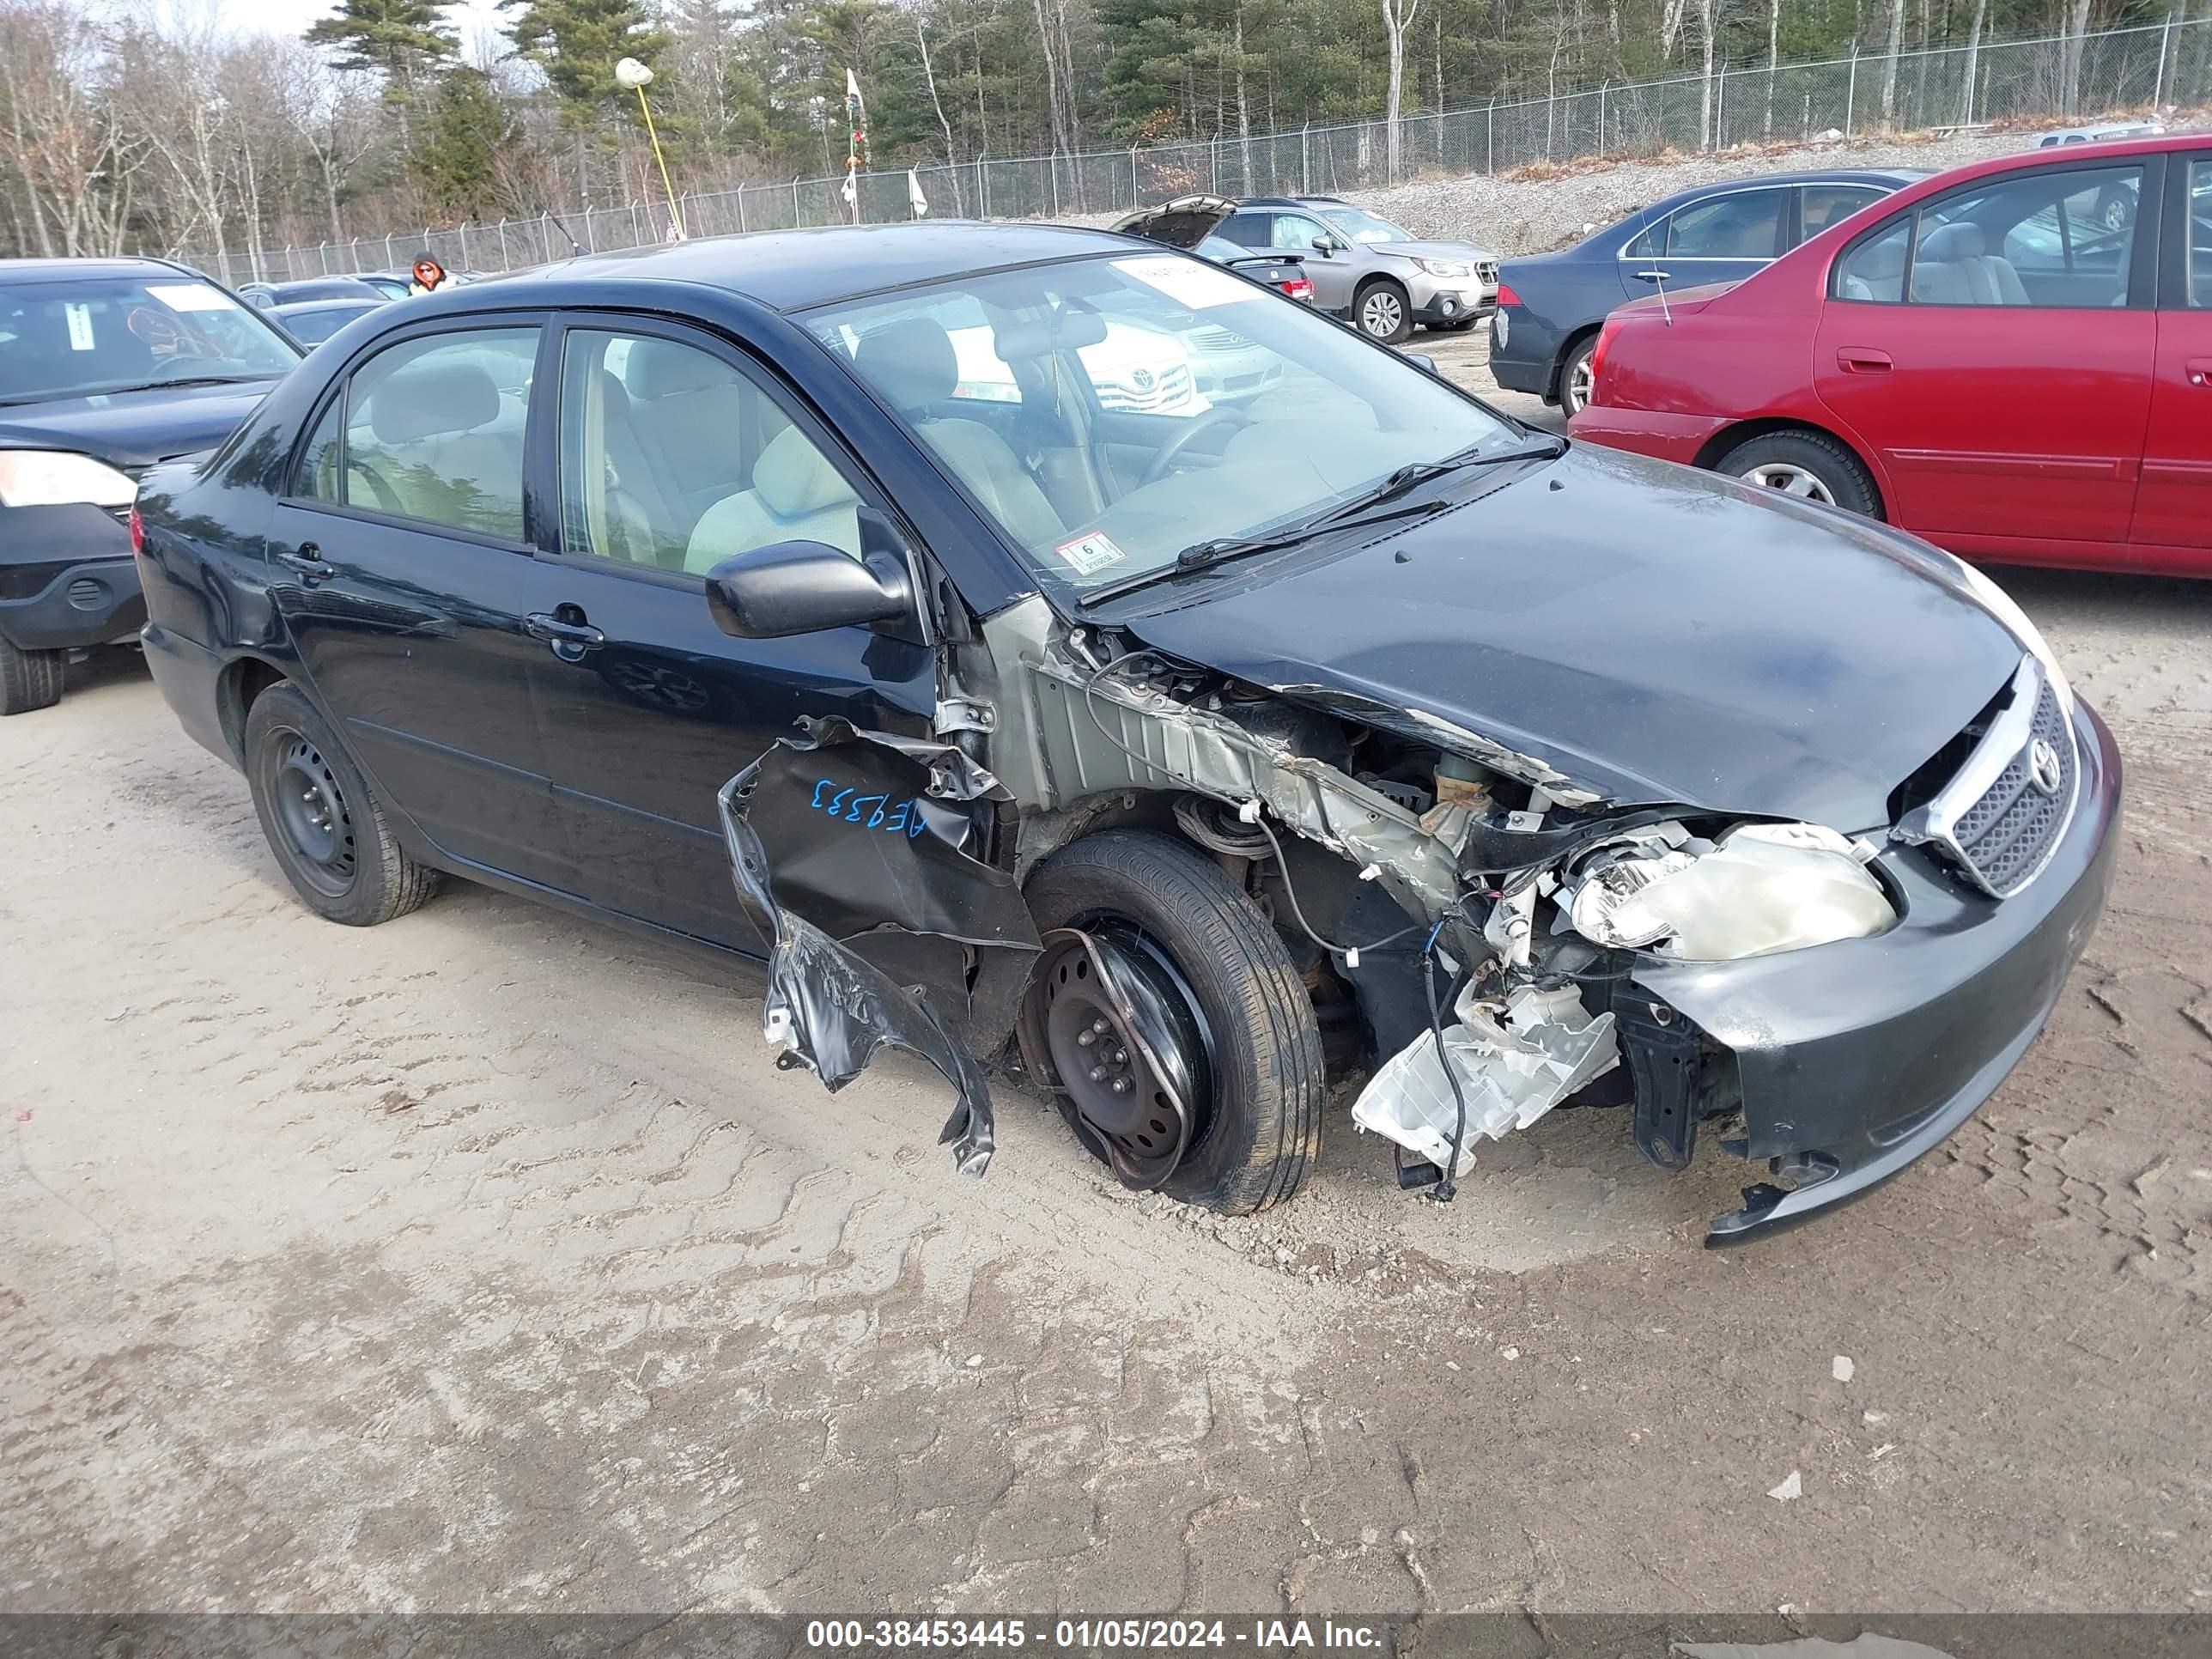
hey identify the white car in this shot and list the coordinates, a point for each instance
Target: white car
(1135, 370)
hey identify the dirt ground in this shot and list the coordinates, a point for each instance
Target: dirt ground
(482, 1261)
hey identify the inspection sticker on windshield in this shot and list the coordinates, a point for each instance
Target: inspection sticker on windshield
(188, 296)
(1188, 282)
(1086, 555)
(80, 325)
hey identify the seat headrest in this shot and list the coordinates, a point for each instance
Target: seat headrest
(1064, 330)
(433, 401)
(793, 478)
(1880, 262)
(1954, 242)
(662, 368)
(910, 362)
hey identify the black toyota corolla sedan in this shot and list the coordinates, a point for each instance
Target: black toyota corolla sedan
(892, 606)
(106, 366)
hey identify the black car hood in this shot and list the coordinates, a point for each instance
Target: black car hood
(132, 429)
(1649, 633)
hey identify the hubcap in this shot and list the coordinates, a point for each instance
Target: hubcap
(1790, 481)
(2115, 215)
(1381, 314)
(310, 811)
(1130, 1055)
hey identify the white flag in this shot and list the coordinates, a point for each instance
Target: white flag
(849, 191)
(917, 203)
(851, 86)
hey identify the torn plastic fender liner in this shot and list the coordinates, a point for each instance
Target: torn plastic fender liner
(852, 850)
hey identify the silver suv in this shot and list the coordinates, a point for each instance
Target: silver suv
(1379, 274)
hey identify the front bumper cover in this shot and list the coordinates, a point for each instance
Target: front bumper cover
(66, 578)
(1857, 1057)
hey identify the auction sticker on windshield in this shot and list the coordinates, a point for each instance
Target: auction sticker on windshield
(1086, 555)
(188, 296)
(1188, 282)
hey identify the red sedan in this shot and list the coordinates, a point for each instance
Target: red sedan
(2012, 359)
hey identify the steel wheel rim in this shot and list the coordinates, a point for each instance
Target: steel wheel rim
(1106, 1073)
(1805, 485)
(1581, 381)
(1381, 314)
(312, 815)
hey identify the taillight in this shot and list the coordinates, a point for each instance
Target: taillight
(137, 532)
(1597, 353)
(1506, 297)
(1299, 287)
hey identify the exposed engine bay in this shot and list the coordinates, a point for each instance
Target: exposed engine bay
(1468, 921)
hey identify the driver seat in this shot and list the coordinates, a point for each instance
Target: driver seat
(912, 362)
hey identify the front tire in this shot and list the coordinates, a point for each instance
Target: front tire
(1257, 1130)
(1810, 465)
(322, 819)
(1383, 311)
(30, 679)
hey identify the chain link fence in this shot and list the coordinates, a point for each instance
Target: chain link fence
(2134, 68)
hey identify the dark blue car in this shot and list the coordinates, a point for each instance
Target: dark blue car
(844, 600)
(1550, 304)
(106, 366)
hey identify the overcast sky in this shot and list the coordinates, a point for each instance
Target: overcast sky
(472, 19)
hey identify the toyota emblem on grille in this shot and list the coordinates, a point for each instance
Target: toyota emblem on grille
(1143, 377)
(2043, 766)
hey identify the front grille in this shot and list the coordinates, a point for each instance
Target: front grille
(1212, 336)
(1144, 392)
(2001, 816)
(1485, 271)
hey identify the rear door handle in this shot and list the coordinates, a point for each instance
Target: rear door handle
(1862, 359)
(2199, 371)
(308, 561)
(569, 640)
(1653, 276)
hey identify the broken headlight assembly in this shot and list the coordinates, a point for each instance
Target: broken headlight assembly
(1756, 889)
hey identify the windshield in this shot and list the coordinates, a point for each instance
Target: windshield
(76, 338)
(1111, 413)
(1364, 226)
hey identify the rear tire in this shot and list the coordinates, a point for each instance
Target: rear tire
(30, 679)
(322, 819)
(1382, 312)
(1810, 466)
(1575, 381)
(1254, 1140)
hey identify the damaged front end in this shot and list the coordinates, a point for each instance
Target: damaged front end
(1488, 937)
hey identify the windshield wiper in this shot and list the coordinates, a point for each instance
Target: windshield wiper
(1356, 510)
(196, 380)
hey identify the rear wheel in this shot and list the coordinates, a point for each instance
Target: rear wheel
(1382, 312)
(1576, 381)
(1810, 465)
(322, 819)
(30, 679)
(1207, 1007)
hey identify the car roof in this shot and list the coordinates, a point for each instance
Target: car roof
(341, 302)
(49, 270)
(791, 269)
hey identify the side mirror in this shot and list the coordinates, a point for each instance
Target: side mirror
(803, 588)
(1323, 246)
(1422, 361)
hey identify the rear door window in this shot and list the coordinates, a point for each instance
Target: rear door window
(434, 429)
(1820, 206)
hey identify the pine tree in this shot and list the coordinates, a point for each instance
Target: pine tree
(578, 43)
(457, 156)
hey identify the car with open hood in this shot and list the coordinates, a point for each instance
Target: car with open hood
(106, 366)
(1363, 267)
(1174, 761)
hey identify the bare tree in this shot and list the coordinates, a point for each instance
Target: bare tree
(1398, 17)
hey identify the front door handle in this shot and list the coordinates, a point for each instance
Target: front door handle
(569, 640)
(1862, 359)
(2199, 372)
(309, 561)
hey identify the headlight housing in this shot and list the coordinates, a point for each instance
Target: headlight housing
(1760, 888)
(1445, 267)
(53, 477)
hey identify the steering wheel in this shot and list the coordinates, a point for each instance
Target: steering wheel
(1166, 455)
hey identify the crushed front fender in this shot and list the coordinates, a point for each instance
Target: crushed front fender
(855, 853)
